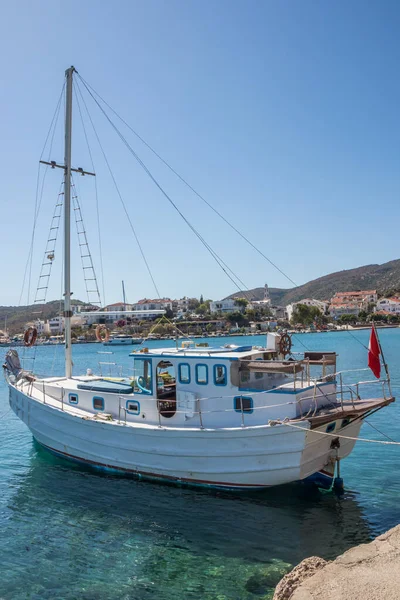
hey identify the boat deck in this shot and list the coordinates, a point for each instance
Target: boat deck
(346, 410)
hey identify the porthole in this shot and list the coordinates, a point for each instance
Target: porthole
(73, 398)
(133, 407)
(98, 403)
(243, 404)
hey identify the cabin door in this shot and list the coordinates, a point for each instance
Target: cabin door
(166, 389)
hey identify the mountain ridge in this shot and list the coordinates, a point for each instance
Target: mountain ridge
(383, 278)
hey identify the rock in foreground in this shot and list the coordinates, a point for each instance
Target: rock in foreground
(366, 572)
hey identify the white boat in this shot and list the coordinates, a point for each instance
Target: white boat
(122, 339)
(231, 417)
(54, 340)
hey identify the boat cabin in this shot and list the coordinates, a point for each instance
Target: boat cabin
(221, 386)
(208, 387)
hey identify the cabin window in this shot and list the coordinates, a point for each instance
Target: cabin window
(331, 427)
(133, 407)
(142, 376)
(166, 389)
(73, 398)
(98, 403)
(244, 375)
(243, 403)
(184, 373)
(259, 374)
(202, 374)
(220, 375)
(346, 421)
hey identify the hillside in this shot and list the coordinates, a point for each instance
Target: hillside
(16, 317)
(381, 277)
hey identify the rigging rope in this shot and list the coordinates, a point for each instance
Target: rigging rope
(213, 253)
(335, 435)
(120, 196)
(96, 196)
(39, 197)
(94, 93)
(187, 183)
(84, 249)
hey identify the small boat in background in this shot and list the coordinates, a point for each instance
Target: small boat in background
(122, 339)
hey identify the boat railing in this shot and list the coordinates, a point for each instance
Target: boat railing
(302, 370)
(338, 398)
(110, 366)
(345, 392)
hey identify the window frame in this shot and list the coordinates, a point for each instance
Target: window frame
(258, 374)
(245, 411)
(245, 372)
(179, 373)
(144, 391)
(98, 398)
(197, 374)
(133, 412)
(215, 367)
(76, 396)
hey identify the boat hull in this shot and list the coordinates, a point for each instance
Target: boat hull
(234, 458)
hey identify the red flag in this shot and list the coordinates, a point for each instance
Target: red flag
(374, 362)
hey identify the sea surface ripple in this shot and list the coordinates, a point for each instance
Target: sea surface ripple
(69, 533)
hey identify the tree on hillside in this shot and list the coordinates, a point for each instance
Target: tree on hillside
(237, 317)
(374, 317)
(241, 302)
(193, 303)
(203, 308)
(305, 315)
(251, 314)
(345, 319)
(168, 313)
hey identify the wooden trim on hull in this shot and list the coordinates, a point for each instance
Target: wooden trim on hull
(154, 476)
(347, 410)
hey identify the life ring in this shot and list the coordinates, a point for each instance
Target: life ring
(285, 344)
(30, 336)
(102, 333)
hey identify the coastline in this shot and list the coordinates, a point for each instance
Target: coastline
(365, 572)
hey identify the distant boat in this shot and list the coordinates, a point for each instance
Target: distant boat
(54, 340)
(122, 339)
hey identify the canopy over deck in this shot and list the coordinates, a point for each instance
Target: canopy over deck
(273, 366)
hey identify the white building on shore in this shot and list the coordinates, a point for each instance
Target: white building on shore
(42, 327)
(391, 305)
(149, 309)
(225, 306)
(265, 302)
(351, 303)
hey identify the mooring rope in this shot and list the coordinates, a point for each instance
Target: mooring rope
(337, 435)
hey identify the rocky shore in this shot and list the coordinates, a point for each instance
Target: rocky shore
(365, 572)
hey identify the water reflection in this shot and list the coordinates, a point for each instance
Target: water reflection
(70, 533)
(288, 522)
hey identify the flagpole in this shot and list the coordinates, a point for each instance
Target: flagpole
(383, 359)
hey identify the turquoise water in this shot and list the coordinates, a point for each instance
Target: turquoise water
(69, 533)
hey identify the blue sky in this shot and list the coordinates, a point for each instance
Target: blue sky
(283, 115)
